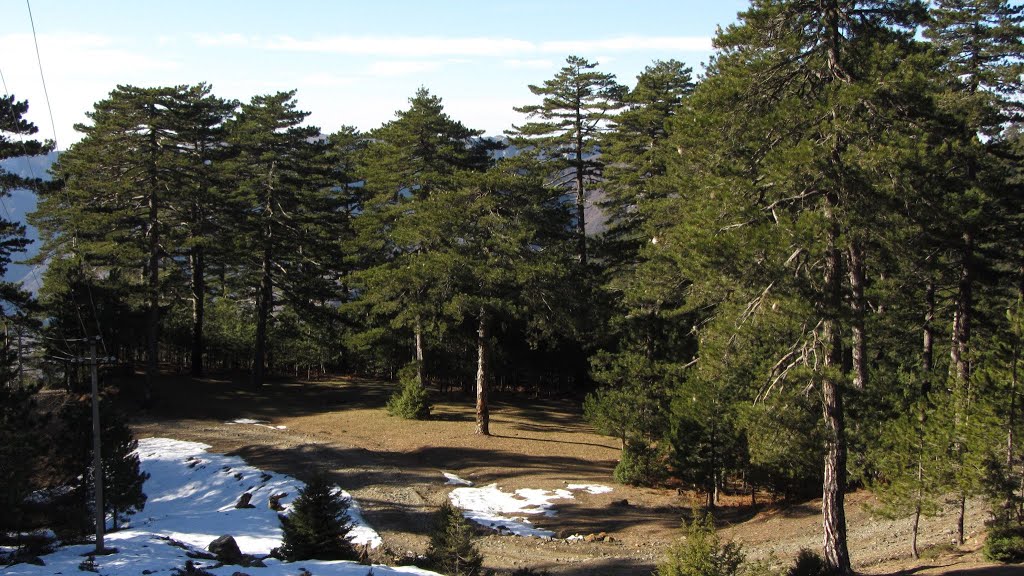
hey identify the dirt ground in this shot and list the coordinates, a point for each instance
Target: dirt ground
(393, 468)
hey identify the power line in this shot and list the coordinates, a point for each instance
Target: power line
(53, 127)
(39, 61)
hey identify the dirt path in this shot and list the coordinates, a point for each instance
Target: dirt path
(393, 468)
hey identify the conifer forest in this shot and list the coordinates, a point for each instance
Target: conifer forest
(800, 270)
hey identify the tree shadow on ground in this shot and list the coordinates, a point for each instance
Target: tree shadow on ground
(997, 570)
(601, 567)
(176, 397)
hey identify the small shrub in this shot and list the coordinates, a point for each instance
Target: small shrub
(702, 553)
(451, 550)
(808, 563)
(1005, 544)
(769, 566)
(318, 525)
(412, 402)
(641, 465)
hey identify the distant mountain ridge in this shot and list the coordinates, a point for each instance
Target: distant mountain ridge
(18, 205)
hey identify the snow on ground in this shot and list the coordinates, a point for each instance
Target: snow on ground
(261, 423)
(506, 512)
(192, 495)
(591, 488)
(453, 479)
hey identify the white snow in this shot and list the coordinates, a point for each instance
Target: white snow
(591, 488)
(192, 495)
(506, 512)
(453, 479)
(261, 423)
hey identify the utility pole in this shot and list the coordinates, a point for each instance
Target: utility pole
(97, 461)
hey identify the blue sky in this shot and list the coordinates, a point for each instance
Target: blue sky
(353, 63)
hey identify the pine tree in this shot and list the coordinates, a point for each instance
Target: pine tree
(140, 168)
(576, 108)
(983, 57)
(637, 154)
(421, 152)
(702, 553)
(20, 446)
(785, 193)
(318, 524)
(122, 478)
(451, 549)
(280, 194)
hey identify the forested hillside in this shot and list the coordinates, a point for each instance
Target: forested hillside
(809, 277)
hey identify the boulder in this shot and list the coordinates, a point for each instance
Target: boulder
(243, 501)
(226, 550)
(274, 502)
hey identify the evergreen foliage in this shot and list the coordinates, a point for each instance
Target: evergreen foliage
(122, 479)
(451, 550)
(640, 464)
(564, 129)
(20, 426)
(702, 553)
(1005, 544)
(808, 563)
(412, 401)
(318, 524)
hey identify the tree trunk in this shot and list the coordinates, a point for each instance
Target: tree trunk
(833, 511)
(264, 303)
(153, 309)
(581, 199)
(265, 298)
(198, 309)
(914, 528)
(418, 337)
(961, 369)
(857, 304)
(482, 411)
(928, 342)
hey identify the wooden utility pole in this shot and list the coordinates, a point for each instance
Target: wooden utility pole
(97, 461)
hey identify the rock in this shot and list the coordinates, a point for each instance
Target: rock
(226, 549)
(620, 503)
(239, 574)
(243, 501)
(274, 502)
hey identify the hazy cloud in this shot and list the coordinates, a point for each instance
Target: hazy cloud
(402, 67)
(434, 46)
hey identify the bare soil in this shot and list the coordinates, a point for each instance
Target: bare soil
(393, 468)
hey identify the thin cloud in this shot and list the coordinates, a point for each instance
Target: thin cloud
(630, 44)
(440, 46)
(228, 40)
(423, 46)
(535, 64)
(328, 80)
(402, 67)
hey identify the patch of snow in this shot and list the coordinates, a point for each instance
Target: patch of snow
(455, 480)
(506, 512)
(260, 423)
(591, 488)
(192, 494)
